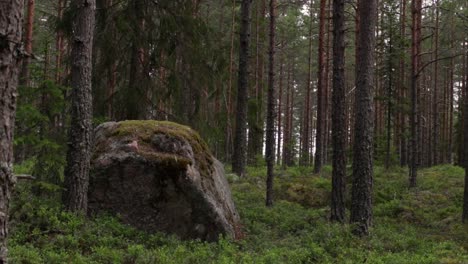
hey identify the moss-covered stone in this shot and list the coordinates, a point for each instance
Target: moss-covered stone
(160, 176)
(144, 130)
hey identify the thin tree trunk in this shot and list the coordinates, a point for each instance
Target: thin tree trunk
(304, 161)
(270, 127)
(321, 93)
(229, 90)
(361, 192)
(240, 137)
(75, 195)
(435, 100)
(338, 114)
(465, 133)
(414, 116)
(403, 140)
(389, 100)
(280, 96)
(286, 129)
(11, 19)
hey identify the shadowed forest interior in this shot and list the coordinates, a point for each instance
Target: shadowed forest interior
(224, 131)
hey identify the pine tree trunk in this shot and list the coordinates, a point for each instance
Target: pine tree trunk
(270, 126)
(305, 137)
(361, 192)
(465, 133)
(403, 117)
(79, 147)
(255, 142)
(321, 100)
(10, 60)
(280, 97)
(414, 116)
(435, 107)
(240, 137)
(229, 89)
(286, 126)
(338, 114)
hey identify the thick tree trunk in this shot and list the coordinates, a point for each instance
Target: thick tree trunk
(240, 138)
(338, 114)
(11, 17)
(270, 126)
(361, 193)
(255, 142)
(79, 138)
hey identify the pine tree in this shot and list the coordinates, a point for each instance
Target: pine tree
(270, 126)
(240, 137)
(361, 192)
(338, 114)
(80, 132)
(11, 18)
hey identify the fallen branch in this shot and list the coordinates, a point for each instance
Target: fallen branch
(24, 177)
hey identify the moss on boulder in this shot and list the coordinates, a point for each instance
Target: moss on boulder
(160, 176)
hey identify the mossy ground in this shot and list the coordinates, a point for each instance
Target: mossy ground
(410, 226)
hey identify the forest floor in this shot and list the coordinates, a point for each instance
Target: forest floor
(410, 226)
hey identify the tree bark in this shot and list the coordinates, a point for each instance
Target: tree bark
(338, 114)
(305, 137)
(414, 116)
(228, 139)
(321, 99)
(435, 107)
(240, 137)
(280, 97)
(361, 193)
(11, 17)
(403, 117)
(79, 138)
(465, 133)
(270, 126)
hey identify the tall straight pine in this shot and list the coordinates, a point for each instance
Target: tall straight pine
(240, 137)
(75, 195)
(270, 125)
(339, 127)
(361, 192)
(11, 18)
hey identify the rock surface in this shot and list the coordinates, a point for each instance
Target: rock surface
(160, 176)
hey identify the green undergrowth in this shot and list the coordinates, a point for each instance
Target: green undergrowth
(410, 226)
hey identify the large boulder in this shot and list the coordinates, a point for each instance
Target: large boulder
(160, 176)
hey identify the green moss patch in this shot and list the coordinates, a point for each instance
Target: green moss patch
(144, 130)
